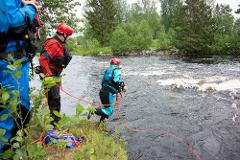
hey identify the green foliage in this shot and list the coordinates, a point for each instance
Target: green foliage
(145, 10)
(165, 40)
(131, 36)
(113, 148)
(170, 9)
(194, 28)
(72, 45)
(101, 19)
(235, 38)
(225, 39)
(58, 11)
(122, 10)
(91, 47)
(120, 41)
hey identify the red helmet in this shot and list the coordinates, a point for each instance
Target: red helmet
(64, 29)
(115, 61)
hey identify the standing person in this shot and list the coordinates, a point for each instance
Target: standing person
(111, 86)
(54, 57)
(16, 19)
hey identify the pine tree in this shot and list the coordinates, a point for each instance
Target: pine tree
(169, 10)
(101, 19)
(194, 28)
(222, 29)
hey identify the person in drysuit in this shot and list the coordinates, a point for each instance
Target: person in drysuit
(16, 24)
(111, 86)
(53, 59)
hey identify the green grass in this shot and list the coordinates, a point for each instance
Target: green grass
(98, 145)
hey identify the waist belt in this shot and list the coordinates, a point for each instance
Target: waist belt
(109, 88)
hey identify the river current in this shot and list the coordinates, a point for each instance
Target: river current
(180, 109)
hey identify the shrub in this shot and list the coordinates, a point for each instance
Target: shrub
(131, 36)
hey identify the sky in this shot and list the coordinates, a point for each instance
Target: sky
(233, 4)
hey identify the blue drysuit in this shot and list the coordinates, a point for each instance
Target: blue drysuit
(13, 15)
(110, 85)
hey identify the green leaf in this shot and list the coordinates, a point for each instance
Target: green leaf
(79, 109)
(15, 93)
(91, 151)
(35, 151)
(2, 132)
(4, 117)
(8, 154)
(16, 145)
(18, 74)
(56, 113)
(12, 67)
(19, 139)
(18, 62)
(20, 133)
(93, 157)
(84, 114)
(5, 96)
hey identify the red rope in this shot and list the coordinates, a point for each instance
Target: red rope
(86, 101)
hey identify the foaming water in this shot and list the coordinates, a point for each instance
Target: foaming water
(194, 101)
(213, 83)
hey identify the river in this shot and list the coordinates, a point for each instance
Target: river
(180, 109)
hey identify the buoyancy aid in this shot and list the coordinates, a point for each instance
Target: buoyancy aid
(108, 79)
(24, 36)
(58, 61)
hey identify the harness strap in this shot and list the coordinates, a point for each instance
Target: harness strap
(46, 54)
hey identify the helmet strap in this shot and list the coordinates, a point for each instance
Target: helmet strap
(65, 37)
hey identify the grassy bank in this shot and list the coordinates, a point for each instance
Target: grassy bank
(98, 145)
(28, 144)
(92, 48)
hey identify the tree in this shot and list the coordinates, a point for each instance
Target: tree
(223, 19)
(146, 10)
(101, 19)
(169, 10)
(194, 28)
(131, 36)
(58, 11)
(122, 10)
(234, 42)
(223, 29)
(238, 10)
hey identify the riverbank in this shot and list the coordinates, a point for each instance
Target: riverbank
(93, 49)
(93, 140)
(108, 52)
(98, 144)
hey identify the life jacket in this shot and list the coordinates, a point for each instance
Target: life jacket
(25, 33)
(108, 80)
(60, 61)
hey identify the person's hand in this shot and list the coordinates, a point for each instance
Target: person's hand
(125, 88)
(34, 3)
